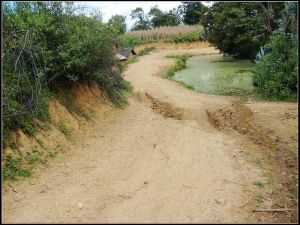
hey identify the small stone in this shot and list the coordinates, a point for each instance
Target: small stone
(146, 182)
(80, 205)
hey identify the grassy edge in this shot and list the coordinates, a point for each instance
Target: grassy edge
(180, 65)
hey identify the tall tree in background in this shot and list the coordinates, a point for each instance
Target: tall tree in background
(118, 23)
(236, 28)
(160, 18)
(142, 22)
(192, 12)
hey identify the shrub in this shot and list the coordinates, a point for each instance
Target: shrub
(191, 37)
(237, 28)
(12, 168)
(274, 75)
(64, 129)
(47, 45)
(130, 41)
(180, 64)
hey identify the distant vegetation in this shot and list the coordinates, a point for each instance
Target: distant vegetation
(189, 13)
(180, 33)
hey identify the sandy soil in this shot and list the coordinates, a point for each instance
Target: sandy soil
(158, 160)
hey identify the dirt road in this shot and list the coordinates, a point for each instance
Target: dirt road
(158, 160)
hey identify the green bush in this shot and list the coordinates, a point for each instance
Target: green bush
(62, 47)
(275, 75)
(130, 41)
(191, 37)
(64, 129)
(238, 28)
(180, 64)
(12, 168)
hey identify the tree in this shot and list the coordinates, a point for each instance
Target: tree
(236, 28)
(160, 18)
(142, 22)
(276, 71)
(192, 12)
(118, 22)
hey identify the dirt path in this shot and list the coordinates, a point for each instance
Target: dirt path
(158, 160)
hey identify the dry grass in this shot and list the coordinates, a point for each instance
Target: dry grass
(164, 32)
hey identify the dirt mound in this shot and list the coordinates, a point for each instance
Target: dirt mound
(279, 151)
(69, 119)
(165, 108)
(240, 118)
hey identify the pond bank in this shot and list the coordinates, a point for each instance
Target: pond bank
(212, 74)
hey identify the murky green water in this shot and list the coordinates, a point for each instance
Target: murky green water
(209, 74)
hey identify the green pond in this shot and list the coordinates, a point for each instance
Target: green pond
(213, 74)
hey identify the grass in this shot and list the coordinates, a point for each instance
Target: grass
(51, 153)
(190, 37)
(12, 168)
(145, 51)
(64, 129)
(69, 102)
(180, 64)
(259, 184)
(133, 59)
(243, 71)
(188, 86)
(260, 198)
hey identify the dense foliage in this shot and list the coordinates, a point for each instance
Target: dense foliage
(142, 19)
(235, 28)
(160, 18)
(47, 45)
(262, 30)
(192, 12)
(275, 76)
(276, 71)
(118, 23)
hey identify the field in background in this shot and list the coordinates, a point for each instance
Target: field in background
(176, 34)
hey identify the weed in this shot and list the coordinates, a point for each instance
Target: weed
(40, 142)
(27, 126)
(146, 51)
(51, 153)
(180, 64)
(259, 184)
(188, 86)
(260, 198)
(64, 129)
(243, 71)
(133, 59)
(33, 158)
(12, 168)
(8, 142)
